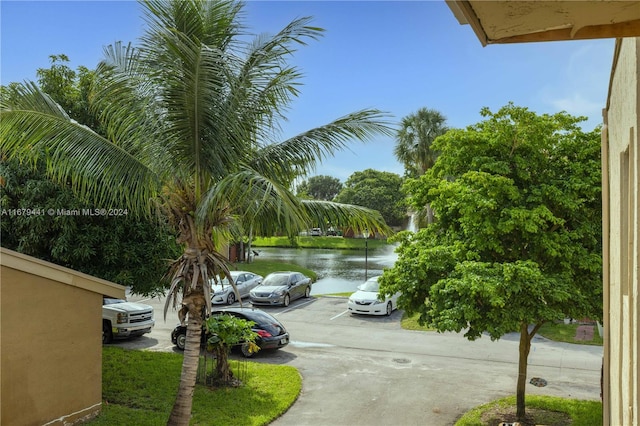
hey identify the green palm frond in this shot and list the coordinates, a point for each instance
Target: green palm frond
(123, 100)
(97, 169)
(185, 49)
(254, 199)
(301, 153)
(265, 79)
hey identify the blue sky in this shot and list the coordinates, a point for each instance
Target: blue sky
(391, 55)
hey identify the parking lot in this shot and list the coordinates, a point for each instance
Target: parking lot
(361, 370)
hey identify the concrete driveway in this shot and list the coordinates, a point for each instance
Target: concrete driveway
(368, 371)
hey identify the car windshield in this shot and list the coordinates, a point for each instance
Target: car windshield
(111, 301)
(370, 286)
(276, 280)
(224, 281)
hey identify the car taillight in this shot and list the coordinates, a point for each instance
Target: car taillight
(263, 333)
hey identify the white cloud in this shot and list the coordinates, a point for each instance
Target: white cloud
(582, 82)
(577, 103)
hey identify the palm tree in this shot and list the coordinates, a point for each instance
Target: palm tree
(190, 118)
(413, 146)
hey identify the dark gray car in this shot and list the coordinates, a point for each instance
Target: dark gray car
(280, 288)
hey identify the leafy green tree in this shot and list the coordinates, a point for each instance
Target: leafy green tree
(517, 237)
(321, 187)
(414, 148)
(188, 119)
(46, 220)
(120, 248)
(225, 331)
(70, 89)
(376, 190)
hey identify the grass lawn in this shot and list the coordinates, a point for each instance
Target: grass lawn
(558, 332)
(541, 410)
(561, 332)
(321, 242)
(139, 388)
(411, 323)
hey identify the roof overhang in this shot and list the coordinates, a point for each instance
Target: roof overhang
(511, 21)
(53, 272)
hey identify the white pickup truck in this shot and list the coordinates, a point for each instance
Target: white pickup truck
(121, 319)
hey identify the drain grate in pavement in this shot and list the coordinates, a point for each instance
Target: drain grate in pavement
(537, 381)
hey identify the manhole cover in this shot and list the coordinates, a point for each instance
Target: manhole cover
(402, 360)
(537, 381)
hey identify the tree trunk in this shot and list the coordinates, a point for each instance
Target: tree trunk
(223, 371)
(250, 257)
(525, 346)
(181, 412)
(430, 217)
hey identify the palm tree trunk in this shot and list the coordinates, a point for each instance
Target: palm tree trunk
(181, 412)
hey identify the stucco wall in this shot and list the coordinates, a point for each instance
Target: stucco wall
(622, 291)
(51, 341)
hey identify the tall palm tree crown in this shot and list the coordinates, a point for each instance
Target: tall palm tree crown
(415, 137)
(191, 118)
(413, 149)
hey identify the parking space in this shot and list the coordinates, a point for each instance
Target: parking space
(373, 358)
(304, 318)
(328, 309)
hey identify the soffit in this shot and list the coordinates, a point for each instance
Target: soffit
(496, 22)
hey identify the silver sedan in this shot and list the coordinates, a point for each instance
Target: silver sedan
(245, 282)
(280, 288)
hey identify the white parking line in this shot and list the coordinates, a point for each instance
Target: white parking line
(339, 315)
(293, 307)
(310, 344)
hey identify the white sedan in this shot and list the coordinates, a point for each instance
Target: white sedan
(365, 300)
(245, 282)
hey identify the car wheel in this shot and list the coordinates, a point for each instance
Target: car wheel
(389, 308)
(107, 335)
(286, 300)
(181, 341)
(244, 348)
(307, 292)
(231, 298)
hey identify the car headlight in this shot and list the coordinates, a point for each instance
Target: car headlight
(122, 318)
(279, 292)
(377, 302)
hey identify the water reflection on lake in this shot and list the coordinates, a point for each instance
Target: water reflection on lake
(338, 270)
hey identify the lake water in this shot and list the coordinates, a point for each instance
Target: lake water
(338, 270)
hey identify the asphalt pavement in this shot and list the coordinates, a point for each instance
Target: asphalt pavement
(361, 370)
